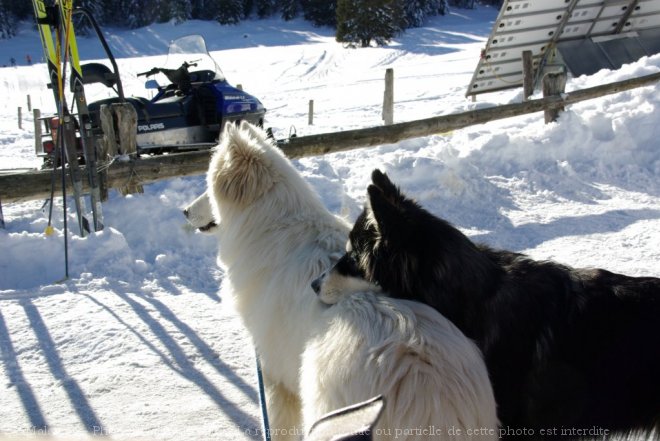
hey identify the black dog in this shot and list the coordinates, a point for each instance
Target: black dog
(570, 352)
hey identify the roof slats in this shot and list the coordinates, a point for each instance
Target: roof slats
(541, 25)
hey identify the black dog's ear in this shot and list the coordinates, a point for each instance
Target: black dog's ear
(382, 181)
(387, 214)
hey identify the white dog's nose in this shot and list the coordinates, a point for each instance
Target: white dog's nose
(316, 283)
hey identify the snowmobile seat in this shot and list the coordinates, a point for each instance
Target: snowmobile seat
(166, 108)
(97, 73)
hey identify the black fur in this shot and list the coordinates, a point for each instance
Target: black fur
(566, 348)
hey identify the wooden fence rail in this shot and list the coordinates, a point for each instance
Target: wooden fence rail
(36, 185)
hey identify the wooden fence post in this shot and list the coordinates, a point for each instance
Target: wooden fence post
(36, 113)
(126, 118)
(528, 74)
(310, 115)
(388, 100)
(29, 103)
(109, 144)
(20, 117)
(554, 84)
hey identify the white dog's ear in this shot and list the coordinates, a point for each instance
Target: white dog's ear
(245, 125)
(257, 132)
(239, 172)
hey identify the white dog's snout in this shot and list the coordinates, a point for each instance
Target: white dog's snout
(200, 213)
(316, 283)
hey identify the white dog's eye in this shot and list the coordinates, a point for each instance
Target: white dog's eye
(335, 256)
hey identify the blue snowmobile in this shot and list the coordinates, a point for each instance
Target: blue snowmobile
(192, 103)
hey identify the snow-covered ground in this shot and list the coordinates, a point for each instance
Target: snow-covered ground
(137, 343)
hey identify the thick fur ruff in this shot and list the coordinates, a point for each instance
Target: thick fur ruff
(567, 349)
(433, 378)
(275, 237)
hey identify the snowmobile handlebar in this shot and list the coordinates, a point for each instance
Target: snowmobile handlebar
(180, 77)
(149, 73)
(155, 70)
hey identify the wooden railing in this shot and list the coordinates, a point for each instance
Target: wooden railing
(120, 174)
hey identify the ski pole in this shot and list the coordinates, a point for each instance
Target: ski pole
(49, 228)
(262, 400)
(66, 233)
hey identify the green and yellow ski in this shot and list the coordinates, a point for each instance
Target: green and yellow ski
(57, 18)
(88, 144)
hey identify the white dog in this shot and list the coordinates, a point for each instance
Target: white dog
(275, 238)
(433, 378)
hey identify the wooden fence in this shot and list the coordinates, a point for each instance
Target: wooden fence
(37, 184)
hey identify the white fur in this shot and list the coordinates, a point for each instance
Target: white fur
(275, 238)
(335, 286)
(433, 378)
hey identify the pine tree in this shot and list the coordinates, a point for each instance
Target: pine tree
(364, 21)
(21, 10)
(140, 13)
(81, 23)
(265, 8)
(417, 11)
(288, 8)
(7, 21)
(443, 7)
(229, 11)
(106, 14)
(248, 5)
(180, 10)
(202, 10)
(320, 12)
(163, 11)
(464, 3)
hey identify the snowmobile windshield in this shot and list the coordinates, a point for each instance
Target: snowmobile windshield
(191, 51)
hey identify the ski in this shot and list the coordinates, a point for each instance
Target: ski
(45, 18)
(84, 119)
(67, 122)
(48, 16)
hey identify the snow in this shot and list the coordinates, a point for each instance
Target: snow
(138, 344)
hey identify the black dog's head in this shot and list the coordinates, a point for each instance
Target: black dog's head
(377, 249)
(406, 251)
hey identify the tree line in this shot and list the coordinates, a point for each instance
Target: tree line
(358, 22)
